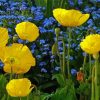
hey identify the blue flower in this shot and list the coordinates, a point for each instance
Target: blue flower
(3, 1)
(23, 7)
(87, 9)
(71, 58)
(57, 68)
(38, 56)
(33, 9)
(50, 30)
(90, 23)
(20, 17)
(41, 64)
(95, 1)
(80, 2)
(48, 21)
(44, 53)
(84, 54)
(37, 13)
(38, 16)
(29, 18)
(73, 71)
(44, 70)
(42, 41)
(1, 64)
(14, 4)
(42, 30)
(20, 41)
(71, 2)
(9, 29)
(1, 23)
(73, 45)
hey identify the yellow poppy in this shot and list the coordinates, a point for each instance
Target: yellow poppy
(27, 31)
(3, 36)
(91, 44)
(19, 87)
(70, 18)
(17, 58)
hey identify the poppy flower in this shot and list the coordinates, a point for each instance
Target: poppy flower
(17, 58)
(27, 31)
(70, 18)
(19, 87)
(91, 44)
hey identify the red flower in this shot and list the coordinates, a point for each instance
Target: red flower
(80, 76)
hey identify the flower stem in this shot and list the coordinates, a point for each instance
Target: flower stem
(93, 91)
(68, 52)
(96, 79)
(64, 62)
(90, 65)
(8, 97)
(84, 62)
(62, 3)
(11, 75)
(57, 31)
(20, 98)
(28, 97)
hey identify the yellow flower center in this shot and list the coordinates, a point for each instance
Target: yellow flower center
(10, 60)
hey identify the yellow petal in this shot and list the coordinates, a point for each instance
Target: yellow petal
(3, 36)
(25, 53)
(83, 19)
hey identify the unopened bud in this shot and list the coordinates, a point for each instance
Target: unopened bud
(15, 38)
(57, 31)
(54, 49)
(96, 56)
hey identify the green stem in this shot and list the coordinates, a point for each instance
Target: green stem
(20, 76)
(84, 62)
(96, 79)
(28, 97)
(68, 61)
(35, 87)
(64, 62)
(20, 98)
(93, 91)
(57, 35)
(62, 2)
(11, 75)
(8, 97)
(90, 65)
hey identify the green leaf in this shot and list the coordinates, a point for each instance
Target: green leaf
(60, 79)
(84, 89)
(65, 93)
(3, 83)
(46, 96)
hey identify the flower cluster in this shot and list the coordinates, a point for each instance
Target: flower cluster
(17, 58)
